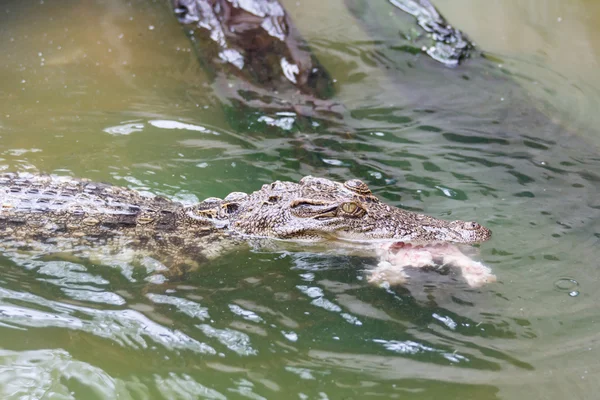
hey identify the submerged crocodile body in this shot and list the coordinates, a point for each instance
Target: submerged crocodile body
(41, 210)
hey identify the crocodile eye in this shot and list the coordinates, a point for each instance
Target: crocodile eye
(349, 207)
(352, 209)
(471, 226)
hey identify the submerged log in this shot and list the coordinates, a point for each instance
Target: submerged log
(438, 39)
(449, 45)
(256, 40)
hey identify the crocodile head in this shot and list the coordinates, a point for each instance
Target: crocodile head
(318, 209)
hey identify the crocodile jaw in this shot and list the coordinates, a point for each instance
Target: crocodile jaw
(443, 232)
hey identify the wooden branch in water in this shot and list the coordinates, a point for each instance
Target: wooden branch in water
(255, 40)
(450, 46)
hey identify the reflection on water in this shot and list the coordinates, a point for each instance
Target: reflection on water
(113, 100)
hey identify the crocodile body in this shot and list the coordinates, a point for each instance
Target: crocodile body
(38, 211)
(49, 213)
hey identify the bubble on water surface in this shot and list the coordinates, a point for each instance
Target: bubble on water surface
(125, 129)
(567, 285)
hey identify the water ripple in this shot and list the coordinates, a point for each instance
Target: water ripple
(234, 340)
(128, 328)
(188, 307)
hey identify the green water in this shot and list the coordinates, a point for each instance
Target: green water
(85, 90)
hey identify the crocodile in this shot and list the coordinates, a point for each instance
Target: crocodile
(52, 212)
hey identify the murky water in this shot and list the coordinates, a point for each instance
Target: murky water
(113, 91)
